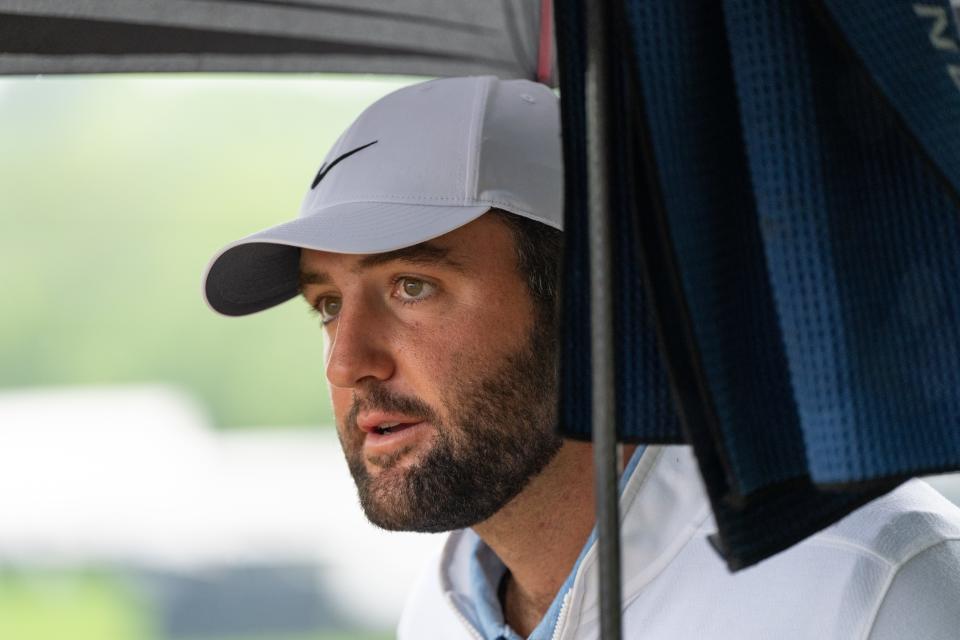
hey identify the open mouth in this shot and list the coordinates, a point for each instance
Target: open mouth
(394, 427)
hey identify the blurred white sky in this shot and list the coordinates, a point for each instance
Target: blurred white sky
(134, 476)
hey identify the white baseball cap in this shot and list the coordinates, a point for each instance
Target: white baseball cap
(418, 163)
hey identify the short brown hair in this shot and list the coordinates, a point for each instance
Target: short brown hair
(539, 253)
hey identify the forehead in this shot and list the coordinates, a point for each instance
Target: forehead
(485, 244)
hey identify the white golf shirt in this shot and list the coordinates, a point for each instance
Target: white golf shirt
(890, 570)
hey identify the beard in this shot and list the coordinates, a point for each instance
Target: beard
(496, 435)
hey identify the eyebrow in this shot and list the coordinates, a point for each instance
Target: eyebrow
(424, 253)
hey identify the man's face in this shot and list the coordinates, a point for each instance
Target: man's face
(443, 382)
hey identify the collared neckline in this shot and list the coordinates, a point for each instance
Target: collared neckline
(662, 506)
(661, 509)
(486, 571)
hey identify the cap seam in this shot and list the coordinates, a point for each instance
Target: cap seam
(507, 205)
(378, 199)
(472, 169)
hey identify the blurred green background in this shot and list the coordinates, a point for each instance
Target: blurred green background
(117, 190)
(96, 606)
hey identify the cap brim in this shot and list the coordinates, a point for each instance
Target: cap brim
(262, 270)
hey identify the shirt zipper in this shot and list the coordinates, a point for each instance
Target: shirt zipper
(562, 614)
(466, 623)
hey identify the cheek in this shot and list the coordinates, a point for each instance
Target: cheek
(434, 357)
(341, 399)
(429, 357)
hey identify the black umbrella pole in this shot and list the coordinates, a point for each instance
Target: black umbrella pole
(597, 100)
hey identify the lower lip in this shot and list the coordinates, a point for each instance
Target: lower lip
(380, 443)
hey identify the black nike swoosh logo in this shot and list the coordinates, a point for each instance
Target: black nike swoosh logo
(324, 169)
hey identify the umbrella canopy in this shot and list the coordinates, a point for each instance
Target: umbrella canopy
(412, 37)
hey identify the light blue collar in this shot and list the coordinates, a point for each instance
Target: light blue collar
(486, 572)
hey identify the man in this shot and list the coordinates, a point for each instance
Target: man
(428, 246)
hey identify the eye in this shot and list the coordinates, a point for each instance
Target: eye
(413, 289)
(329, 307)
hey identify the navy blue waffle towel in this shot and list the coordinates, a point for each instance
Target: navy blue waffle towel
(798, 162)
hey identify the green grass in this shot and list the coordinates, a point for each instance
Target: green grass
(96, 605)
(82, 606)
(333, 635)
(116, 192)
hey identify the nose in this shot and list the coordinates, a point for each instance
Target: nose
(359, 347)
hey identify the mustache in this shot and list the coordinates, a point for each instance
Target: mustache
(380, 398)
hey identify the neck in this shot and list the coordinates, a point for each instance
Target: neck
(539, 534)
